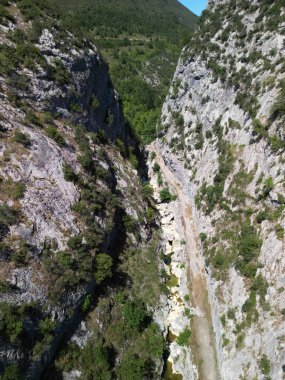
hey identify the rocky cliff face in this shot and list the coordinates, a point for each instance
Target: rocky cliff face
(68, 205)
(222, 137)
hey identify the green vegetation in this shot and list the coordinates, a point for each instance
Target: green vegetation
(53, 133)
(127, 324)
(69, 174)
(103, 267)
(99, 355)
(166, 196)
(211, 195)
(141, 42)
(11, 372)
(248, 246)
(183, 338)
(22, 139)
(132, 367)
(8, 215)
(265, 365)
(11, 189)
(11, 322)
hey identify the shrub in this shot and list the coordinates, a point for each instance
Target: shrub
(20, 256)
(154, 341)
(129, 222)
(209, 134)
(11, 372)
(47, 326)
(265, 365)
(203, 237)
(166, 196)
(8, 215)
(95, 103)
(183, 338)
(95, 363)
(156, 168)
(132, 367)
(279, 230)
(268, 186)
(64, 259)
(147, 190)
(103, 267)
(32, 118)
(22, 138)
(14, 190)
(69, 174)
(249, 242)
(59, 73)
(247, 269)
(134, 314)
(11, 324)
(276, 143)
(86, 303)
(53, 133)
(18, 191)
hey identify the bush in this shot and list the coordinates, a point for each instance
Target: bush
(203, 237)
(11, 324)
(103, 267)
(64, 259)
(265, 365)
(86, 161)
(249, 242)
(53, 133)
(22, 139)
(183, 338)
(134, 314)
(69, 174)
(261, 216)
(95, 363)
(59, 73)
(156, 168)
(147, 190)
(95, 103)
(132, 367)
(268, 186)
(250, 303)
(279, 230)
(154, 341)
(166, 196)
(8, 215)
(11, 373)
(13, 190)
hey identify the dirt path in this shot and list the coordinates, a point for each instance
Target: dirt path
(203, 342)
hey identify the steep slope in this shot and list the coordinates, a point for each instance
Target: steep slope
(158, 17)
(141, 41)
(75, 237)
(222, 138)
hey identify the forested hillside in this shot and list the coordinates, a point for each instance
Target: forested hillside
(141, 42)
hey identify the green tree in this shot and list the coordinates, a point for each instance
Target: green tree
(132, 367)
(95, 363)
(134, 313)
(103, 267)
(166, 196)
(11, 373)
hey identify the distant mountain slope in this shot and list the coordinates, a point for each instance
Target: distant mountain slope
(167, 18)
(141, 41)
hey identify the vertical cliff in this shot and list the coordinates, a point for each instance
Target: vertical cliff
(222, 137)
(69, 211)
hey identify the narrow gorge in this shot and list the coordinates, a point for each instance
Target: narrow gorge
(142, 226)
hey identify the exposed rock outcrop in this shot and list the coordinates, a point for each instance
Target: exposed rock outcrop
(222, 137)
